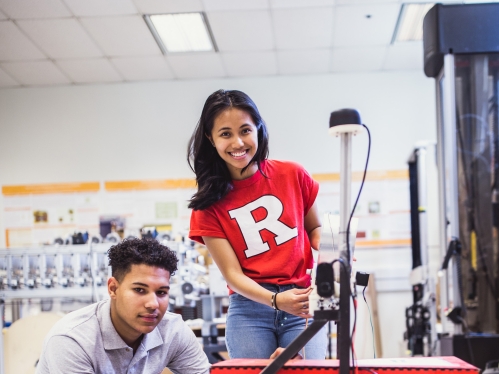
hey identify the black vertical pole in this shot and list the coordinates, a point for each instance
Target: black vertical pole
(344, 341)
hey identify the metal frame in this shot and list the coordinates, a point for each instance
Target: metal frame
(443, 277)
(448, 184)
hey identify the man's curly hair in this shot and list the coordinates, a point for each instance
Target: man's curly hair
(135, 251)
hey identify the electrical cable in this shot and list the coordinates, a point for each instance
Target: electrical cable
(354, 358)
(360, 188)
(472, 217)
(370, 319)
(467, 330)
(349, 222)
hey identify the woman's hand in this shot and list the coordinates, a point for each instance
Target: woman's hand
(295, 301)
(279, 350)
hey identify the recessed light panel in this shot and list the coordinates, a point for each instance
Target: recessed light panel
(410, 22)
(181, 32)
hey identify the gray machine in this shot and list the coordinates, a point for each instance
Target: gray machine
(461, 51)
(66, 272)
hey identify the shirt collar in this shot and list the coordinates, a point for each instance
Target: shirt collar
(111, 338)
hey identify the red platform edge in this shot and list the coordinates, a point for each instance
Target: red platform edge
(435, 365)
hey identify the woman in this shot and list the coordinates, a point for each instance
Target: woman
(258, 219)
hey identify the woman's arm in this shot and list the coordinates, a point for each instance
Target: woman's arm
(313, 226)
(294, 301)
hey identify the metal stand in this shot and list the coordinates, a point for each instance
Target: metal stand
(344, 340)
(321, 317)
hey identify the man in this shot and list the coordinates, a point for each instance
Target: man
(131, 332)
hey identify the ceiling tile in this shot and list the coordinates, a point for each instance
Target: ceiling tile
(14, 45)
(35, 73)
(89, 8)
(122, 36)
(170, 6)
(303, 28)
(23, 9)
(61, 38)
(249, 30)
(250, 63)
(210, 5)
(308, 61)
(275, 4)
(199, 65)
(6, 80)
(358, 59)
(143, 68)
(90, 71)
(407, 55)
(358, 25)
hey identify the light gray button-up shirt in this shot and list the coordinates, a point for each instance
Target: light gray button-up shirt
(85, 341)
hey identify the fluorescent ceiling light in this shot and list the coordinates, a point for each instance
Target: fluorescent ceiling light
(181, 32)
(410, 22)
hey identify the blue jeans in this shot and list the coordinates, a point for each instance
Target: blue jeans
(254, 330)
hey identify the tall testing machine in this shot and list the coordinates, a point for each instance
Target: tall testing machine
(461, 51)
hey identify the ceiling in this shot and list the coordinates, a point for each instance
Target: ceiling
(63, 42)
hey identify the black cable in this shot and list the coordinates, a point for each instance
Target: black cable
(348, 229)
(473, 220)
(468, 340)
(360, 188)
(370, 319)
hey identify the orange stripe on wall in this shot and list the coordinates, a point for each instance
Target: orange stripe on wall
(327, 177)
(164, 184)
(382, 242)
(173, 183)
(371, 175)
(36, 189)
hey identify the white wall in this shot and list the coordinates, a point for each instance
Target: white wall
(140, 131)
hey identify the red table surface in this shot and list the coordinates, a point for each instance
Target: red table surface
(435, 365)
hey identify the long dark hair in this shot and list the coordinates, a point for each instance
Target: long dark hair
(212, 175)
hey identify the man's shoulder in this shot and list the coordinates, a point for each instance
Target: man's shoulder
(172, 323)
(80, 320)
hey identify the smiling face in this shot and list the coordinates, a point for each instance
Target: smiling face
(235, 137)
(139, 301)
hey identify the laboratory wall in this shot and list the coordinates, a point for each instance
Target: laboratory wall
(139, 131)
